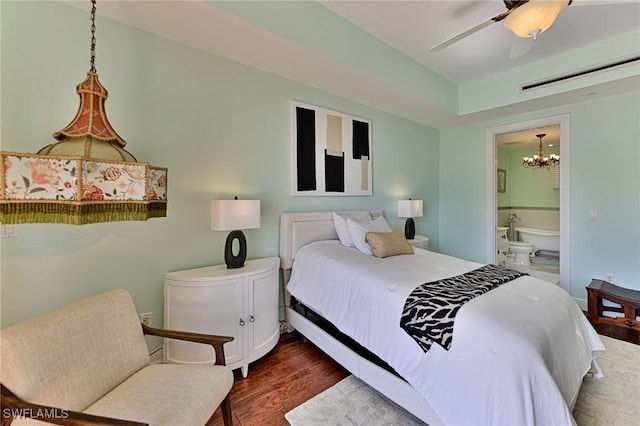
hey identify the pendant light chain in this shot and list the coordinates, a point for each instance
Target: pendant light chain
(93, 36)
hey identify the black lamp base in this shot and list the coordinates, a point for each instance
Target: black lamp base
(235, 261)
(409, 229)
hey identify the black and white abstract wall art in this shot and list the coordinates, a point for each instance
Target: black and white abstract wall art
(330, 152)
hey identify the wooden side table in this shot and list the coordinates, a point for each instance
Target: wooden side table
(621, 322)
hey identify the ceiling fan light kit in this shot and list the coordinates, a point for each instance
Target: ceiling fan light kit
(525, 18)
(533, 17)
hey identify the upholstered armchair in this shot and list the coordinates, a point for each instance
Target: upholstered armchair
(88, 363)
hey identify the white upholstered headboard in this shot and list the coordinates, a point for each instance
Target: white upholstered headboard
(300, 228)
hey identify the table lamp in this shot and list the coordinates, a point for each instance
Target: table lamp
(235, 215)
(409, 209)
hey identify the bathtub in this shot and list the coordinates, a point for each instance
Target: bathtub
(542, 239)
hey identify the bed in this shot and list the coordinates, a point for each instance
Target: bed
(518, 354)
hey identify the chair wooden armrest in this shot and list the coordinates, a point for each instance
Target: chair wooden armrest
(13, 407)
(209, 339)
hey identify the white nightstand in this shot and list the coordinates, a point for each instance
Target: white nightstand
(420, 241)
(241, 302)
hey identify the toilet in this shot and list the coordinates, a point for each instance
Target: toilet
(521, 252)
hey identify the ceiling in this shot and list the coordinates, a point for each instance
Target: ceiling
(527, 138)
(411, 27)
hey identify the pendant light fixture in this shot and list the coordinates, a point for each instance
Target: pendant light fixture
(86, 175)
(539, 160)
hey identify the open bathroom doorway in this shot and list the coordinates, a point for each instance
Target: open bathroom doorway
(533, 206)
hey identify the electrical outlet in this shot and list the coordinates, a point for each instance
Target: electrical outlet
(145, 318)
(8, 231)
(609, 277)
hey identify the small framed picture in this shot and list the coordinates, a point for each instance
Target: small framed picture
(502, 180)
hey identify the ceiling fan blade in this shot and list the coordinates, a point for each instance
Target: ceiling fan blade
(448, 42)
(520, 47)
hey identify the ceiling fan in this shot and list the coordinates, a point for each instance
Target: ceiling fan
(525, 18)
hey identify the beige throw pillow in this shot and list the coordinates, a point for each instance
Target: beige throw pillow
(385, 244)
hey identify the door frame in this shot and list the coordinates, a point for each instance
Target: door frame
(564, 121)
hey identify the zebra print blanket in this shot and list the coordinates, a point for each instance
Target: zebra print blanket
(430, 310)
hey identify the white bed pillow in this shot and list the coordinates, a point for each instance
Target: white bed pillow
(359, 229)
(342, 228)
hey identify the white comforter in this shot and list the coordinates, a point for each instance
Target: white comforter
(518, 355)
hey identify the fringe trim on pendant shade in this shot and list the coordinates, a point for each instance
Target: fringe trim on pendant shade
(80, 213)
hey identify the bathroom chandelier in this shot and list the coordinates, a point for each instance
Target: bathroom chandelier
(539, 160)
(86, 175)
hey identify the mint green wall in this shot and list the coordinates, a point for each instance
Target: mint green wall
(503, 89)
(527, 187)
(605, 154)
(222, 129)
(316, 28)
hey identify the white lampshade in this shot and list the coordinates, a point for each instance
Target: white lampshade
(230, 215)
(409, 208)
(533, 17)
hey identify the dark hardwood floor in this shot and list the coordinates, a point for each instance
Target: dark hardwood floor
(292, 373)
